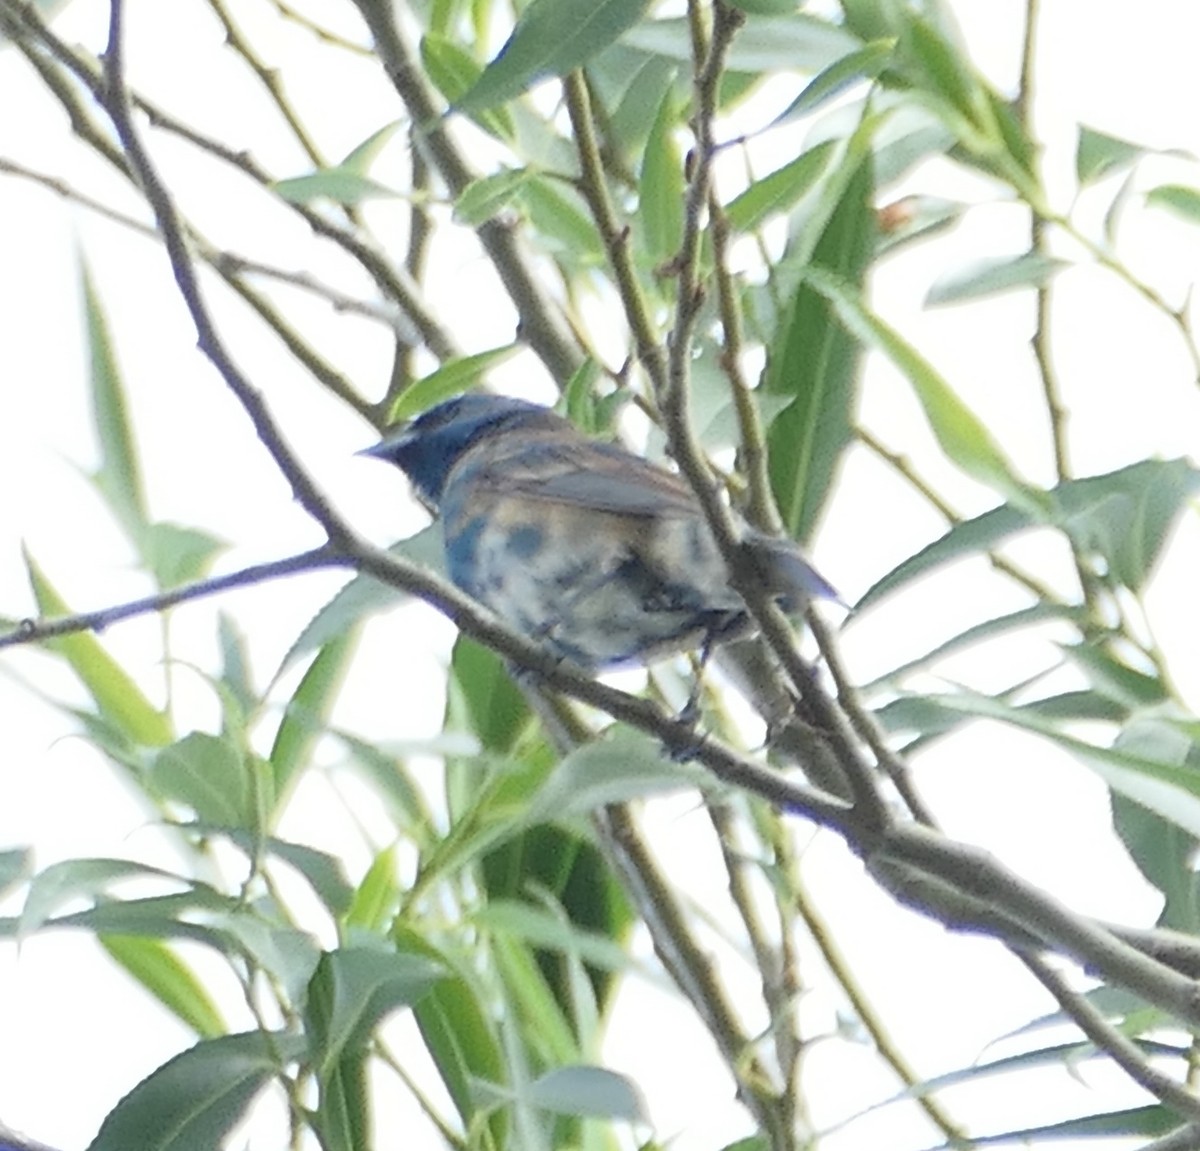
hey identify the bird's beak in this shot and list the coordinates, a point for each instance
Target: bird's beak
(387, 447)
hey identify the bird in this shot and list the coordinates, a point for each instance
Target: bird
(605, 558)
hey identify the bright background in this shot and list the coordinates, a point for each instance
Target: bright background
(75, 1034)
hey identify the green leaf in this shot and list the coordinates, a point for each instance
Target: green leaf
(1127, 516)
(119, 478)
(550, 39)
(378, 895)
(118, 699)
(494, 708)
(793, 43)
(1082, 507)
(354, 989)
(336, 184)
(943, 68)
(454, 72)
(171, 981)
(548, 932)
(1153, 776)
(642, 98)
(962, 436)
(620, 766)
(1177, 198)
(211, 776)
(1153, 1119)
(781, 190)
(489, 195)
(308, 710)
(288, 955)
(360, 158)
(194, 1100)
(593, 1091)
(452, 378)
(1163, 852)
(661, 187)
(977, 633)
(15, 865)
(565, 228)
(177, 555)
(1098, 154)
(813, 362)
(364, 596)
(458, 1034)
(991, 276)
(766, 7)
(1115, 680)
(914, 218)
(864, 64)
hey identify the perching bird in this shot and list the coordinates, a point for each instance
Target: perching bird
(595, 552)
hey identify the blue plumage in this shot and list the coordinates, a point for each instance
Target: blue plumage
(602, 556)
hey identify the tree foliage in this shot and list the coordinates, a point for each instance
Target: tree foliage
(681, 208)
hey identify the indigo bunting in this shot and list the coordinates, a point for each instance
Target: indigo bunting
(599, 554)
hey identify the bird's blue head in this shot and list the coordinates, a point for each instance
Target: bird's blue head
(427, 449)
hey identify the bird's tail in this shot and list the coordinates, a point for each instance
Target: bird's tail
(786, 573)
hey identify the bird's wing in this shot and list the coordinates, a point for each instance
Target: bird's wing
(586, 475)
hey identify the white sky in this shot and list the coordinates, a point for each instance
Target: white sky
(75, 1034)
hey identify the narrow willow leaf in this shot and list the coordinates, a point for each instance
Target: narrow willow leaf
(813, 361)
(308, 710)
(176, 554)
(1163, 785)
(1065, 1055)
(635, 114)
(376, 898)
(793, 43)
(781, 190)
(119, 477)
(15, 865)
(660, 187)
(1127, 516)
(614, 769)
(157, 967)
(1097, 154)
(455, 1023)
(210, 775)
(454, 71)
(943, 68)
(565, 227)
(194, 1100)
(492, 705)
(1092, 509)
(549, 932)
(766, 7)
(593, 1091)
(962, 436)
(336, 184)
(453, 377)
(323, 872)
(363, 985)
(831, 82)
(1177, 198)
(365, 154)
(489, 195)
(1164, 854)
(551, 37)
(364, 596)
(118, 699)
(997, 626)
(993, 276)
